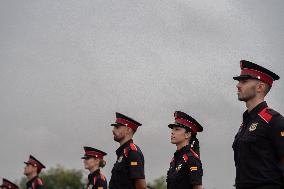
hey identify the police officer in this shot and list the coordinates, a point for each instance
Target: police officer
(128, 170)
(93, 161)
(32, 169)
(6, 184)
(185, 168)
(259, 144)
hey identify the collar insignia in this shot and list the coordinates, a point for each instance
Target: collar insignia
(253, 127)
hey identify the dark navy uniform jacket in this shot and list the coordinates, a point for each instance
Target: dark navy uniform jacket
(128, 167)
(35, 183)
(185, 170)
(258, 148)
(96, 180)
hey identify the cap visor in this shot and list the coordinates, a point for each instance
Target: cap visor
(200, 129)
(86, 157)
(242, 77)
(116, 124)
(172, 126)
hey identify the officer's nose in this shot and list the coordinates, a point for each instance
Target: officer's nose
(238, 85)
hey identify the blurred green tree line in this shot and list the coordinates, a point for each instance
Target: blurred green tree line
(61, 178)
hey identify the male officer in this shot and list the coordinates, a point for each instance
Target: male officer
(32, 169)
(259, 143)
(6, 184)
(128, 171)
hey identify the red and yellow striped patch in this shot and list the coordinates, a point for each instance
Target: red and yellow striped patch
(282, 133)
(100, 187)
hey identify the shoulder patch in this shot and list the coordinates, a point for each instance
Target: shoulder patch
(133, 147)
(125, 151)
(265, 115)
(185, 157)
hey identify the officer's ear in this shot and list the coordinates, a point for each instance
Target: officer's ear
(97, 160)
(130, 131)
(35, 169)
(187, 135)
(261, 87)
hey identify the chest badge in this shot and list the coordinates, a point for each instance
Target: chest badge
(178, 167)
(90, 186)
(120, 159)
(253, 127)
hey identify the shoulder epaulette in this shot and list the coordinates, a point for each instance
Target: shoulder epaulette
(102, 177)
(39, 182)
(36, 182)
(194, 153)
(265, 115)
(133, 147)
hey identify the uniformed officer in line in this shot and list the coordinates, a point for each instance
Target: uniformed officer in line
(32, 169)
(93, 161)
(6, 184)
(259, 144)
(128, 170)
(185, 170)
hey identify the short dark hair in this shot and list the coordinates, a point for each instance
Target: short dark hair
(267, 88)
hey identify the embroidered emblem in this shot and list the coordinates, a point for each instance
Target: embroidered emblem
(178, 167)
(120, 159)
(282, 133)
(90, 186)
(253, 127)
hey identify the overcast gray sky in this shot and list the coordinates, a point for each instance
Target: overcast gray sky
(67, 66)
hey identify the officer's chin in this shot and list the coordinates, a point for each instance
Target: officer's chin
(242, 99)
(116, 139)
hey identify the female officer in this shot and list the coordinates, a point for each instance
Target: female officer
(185, 168)
(93, 160)
(6, 184)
